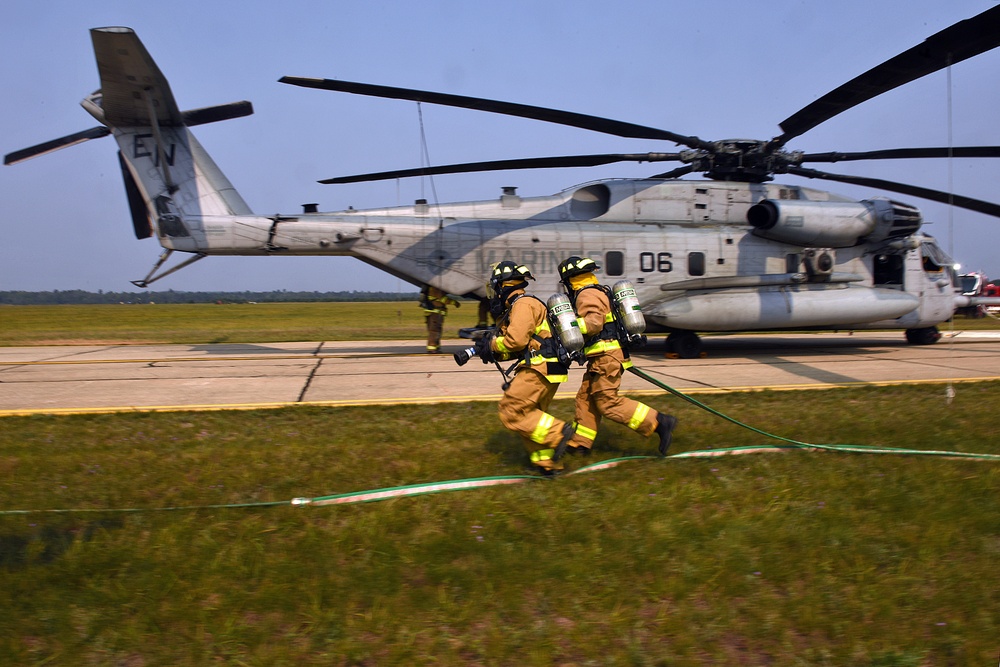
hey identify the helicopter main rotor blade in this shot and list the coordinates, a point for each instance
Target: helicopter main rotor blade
(676, 173)
(963, 40)
(905, 153)
(605, 125)
(961, 201)
(499, 165)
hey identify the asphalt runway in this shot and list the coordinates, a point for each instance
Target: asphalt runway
(114, 378)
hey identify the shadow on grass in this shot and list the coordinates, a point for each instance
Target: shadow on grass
(507, 448)
(48, 543)
(613, 441)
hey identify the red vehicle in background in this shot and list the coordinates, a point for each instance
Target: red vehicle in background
(976, 284)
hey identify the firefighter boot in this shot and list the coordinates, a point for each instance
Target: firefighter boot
(665, 425)
(569, 430)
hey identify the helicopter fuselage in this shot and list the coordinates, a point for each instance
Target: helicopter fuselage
(696, 261)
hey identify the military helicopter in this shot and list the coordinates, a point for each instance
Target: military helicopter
(735, 252)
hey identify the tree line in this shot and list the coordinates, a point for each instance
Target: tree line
(60, 297)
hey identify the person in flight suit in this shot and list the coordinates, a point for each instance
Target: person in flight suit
(598, 396)
(435, 304)
(523, 332)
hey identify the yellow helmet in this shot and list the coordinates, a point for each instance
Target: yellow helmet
(509, 272)
(505, 278)
(574, 266)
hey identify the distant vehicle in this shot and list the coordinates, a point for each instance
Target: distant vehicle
(734, 252)
(991, 299)
(981, 291)
(971, 285)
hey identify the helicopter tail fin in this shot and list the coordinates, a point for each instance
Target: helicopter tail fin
(164, 166)
(170, 180)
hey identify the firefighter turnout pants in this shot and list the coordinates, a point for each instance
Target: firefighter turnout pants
(523, 411)
(598, 397)
(435, 325)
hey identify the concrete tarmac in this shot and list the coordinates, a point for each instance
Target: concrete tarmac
(113, 378)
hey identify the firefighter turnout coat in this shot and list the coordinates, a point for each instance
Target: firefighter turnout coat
(523, 332)
(606, 361)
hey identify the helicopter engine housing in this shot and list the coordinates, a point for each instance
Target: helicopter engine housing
(832, 224)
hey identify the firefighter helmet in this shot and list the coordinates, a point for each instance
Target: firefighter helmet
(509, 272)
(574, 266)
(505, 278)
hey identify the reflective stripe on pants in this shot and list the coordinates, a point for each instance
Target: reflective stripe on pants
(598, 397)
(523, 411)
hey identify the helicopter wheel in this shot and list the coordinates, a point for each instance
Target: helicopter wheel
(685, 344)
(923, 336)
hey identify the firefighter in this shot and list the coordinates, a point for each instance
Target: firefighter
(523, 332)
(435, 304)
(484, 315)
(606, 361)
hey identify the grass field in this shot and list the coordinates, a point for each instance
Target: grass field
(243, 323)
(800, 558)
(219, 323)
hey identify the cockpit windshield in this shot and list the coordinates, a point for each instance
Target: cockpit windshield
(935, 259)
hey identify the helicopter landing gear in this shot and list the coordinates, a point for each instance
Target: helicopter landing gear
(685, 344)
(923, 336)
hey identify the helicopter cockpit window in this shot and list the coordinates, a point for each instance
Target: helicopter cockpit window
(935, 260)
(696, 263)
(614, 263)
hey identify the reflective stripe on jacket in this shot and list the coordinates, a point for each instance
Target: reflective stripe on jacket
(597, 324)
(436, 301)
(525, 332)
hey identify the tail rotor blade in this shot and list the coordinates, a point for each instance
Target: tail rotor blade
(56, 144)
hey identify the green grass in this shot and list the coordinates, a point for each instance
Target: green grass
(243, 323)
(800, 558)
(772, 559)
(223, 323)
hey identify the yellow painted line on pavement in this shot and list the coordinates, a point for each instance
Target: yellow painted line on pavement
(305, 356)
(424, 400)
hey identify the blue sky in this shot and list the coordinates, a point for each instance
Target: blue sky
(715, 69)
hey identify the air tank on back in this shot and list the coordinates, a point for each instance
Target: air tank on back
(626, 304)
(564, 318)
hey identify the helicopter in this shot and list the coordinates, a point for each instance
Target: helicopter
(733, 252)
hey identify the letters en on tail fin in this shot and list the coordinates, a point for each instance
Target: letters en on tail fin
(172, 184)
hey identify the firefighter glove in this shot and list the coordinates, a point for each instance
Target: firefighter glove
(484, 348)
